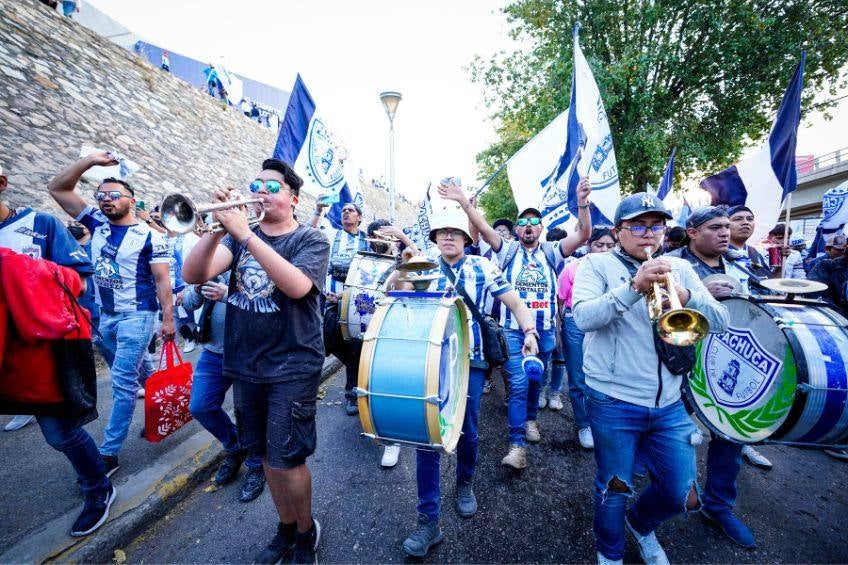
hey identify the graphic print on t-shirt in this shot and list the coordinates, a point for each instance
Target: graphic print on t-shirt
(106, 270)
(254, 287)
(531, 279)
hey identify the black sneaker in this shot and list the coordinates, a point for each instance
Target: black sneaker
(351, 407)
(253, 485)
(306, 545)
(229, 469)
(281, 547)
(110, 462)
(95, 511)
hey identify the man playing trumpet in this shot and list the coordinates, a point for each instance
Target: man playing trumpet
(273, 347)
(633, 398)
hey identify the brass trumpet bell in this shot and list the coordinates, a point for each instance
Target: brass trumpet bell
(182, 215)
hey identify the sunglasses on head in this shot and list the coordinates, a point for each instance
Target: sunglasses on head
(639, 231)
(101, 195)
(273, 186)
(532, 221)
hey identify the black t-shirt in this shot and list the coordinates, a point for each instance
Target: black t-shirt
(271, 337)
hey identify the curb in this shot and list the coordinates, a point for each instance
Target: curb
(142, 498)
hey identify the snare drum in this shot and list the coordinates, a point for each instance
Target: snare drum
(776, 374)
(364, 285)
(413, 372)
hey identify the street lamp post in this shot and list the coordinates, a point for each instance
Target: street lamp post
(390, 102)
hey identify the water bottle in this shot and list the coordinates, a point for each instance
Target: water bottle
(533, 368)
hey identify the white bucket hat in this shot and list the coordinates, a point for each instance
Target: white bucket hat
(449, 217)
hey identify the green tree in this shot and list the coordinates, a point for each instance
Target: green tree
(703, 75)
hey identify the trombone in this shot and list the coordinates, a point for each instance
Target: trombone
(678, 325)
(182, 215)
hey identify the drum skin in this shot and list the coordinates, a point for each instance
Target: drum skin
(360, 296)
(416, 348)
(765, 378)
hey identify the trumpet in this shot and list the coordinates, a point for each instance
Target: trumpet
(678, 325)
(182, 215)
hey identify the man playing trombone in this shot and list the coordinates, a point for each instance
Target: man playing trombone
(633, 395)
(273, 347)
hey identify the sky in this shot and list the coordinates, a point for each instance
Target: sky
(349, 52)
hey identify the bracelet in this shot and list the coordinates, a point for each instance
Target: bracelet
(583, 206)
(531, 331)
(246, 241)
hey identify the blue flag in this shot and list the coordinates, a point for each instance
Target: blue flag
(762, 181)
(305, 143)
(667, 181)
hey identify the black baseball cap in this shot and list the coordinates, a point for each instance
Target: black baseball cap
(530, 210)
(503, 222)
(638, 204)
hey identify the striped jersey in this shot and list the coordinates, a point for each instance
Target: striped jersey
(179, 247)
(343, 247)
(480, 279)
(122, 258)
(534, 279)
(41, 236)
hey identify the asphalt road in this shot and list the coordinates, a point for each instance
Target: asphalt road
(542, 514)
(39, 482)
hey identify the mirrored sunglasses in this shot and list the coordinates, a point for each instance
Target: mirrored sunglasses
(273, 186)
(532, 221)
(101, 195)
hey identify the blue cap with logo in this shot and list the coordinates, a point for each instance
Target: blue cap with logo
(638, 204)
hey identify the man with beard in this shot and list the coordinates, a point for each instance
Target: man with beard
(346, 243)
(41, 236)
(708, 231)
(131, 282)
(273, 349)
(531, 267)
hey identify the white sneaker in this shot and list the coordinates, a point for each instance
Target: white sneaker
(390, 456)
(555, 402)
(18, 422)
(755, 458)
(139, 393)
(516, 458)
(604, 561)
(543, 399)
(650, 549)
(533, 435)
(584, 435)
(189, 346)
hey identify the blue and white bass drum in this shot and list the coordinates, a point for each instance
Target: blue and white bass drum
(413, 371)
(777, 375)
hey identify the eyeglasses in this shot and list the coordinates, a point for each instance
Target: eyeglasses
(101, 195)
(532, 221)
(640, 231)
(450, 234)
(273, 186)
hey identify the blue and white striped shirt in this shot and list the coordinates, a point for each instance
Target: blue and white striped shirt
(535, 280)
(122, 258)
(345, 245)
(41, 236)
(480, 279)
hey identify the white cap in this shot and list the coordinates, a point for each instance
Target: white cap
(448, 215)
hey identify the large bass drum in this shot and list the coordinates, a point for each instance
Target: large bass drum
(364, 286)
(413, 371)
(776, 375)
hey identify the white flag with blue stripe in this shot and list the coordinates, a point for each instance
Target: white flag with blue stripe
(309, 146)
(583, 146)
(762, 181)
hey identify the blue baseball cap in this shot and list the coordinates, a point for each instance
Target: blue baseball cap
(638, 204)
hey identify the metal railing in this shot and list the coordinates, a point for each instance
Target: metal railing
(826, 161)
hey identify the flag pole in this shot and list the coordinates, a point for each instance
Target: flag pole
(491, 178)
(786, 232)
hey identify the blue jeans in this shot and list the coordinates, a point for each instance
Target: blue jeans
(663, 437)
(724, 459)
(572, 339)
(524, 395)
(427, 462)
(75, 443)
(555, 372)
(125, 336)
(208, 390)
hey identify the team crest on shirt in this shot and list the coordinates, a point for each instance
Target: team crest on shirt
(107, 273)
(254, 288)
(531, 278)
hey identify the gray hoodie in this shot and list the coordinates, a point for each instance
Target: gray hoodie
(619, 357)
(193, 300)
